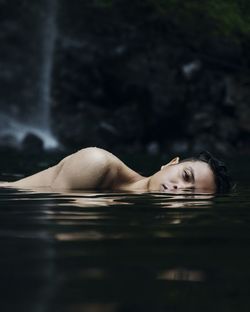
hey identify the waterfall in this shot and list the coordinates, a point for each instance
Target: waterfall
(49, 33)
(30, 112)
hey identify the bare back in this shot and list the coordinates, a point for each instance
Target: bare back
(89, 168)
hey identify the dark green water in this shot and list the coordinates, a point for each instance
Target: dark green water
(117, 252)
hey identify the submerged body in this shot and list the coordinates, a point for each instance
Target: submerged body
(94, 168)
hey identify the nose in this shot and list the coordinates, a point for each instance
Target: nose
(173, 186)
(179, 186)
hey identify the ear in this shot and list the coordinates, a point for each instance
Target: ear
(174, 161)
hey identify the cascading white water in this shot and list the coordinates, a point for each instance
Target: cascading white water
(49, 34)
(13, 129)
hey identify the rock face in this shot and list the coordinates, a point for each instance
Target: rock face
(127, 78)
(32, 144)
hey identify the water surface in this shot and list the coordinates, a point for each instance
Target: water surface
(83, 251)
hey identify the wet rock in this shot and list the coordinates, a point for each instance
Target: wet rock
(227, 129)
(243, 113)
(153, 148)
(223, 147)
(202, 142)
(9, 140)
(189, 70)
(123, 83)
(32, 144)
(180, 147)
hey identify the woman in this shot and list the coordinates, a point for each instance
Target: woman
(94, 168)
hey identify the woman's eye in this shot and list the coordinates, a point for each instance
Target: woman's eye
(186, 175)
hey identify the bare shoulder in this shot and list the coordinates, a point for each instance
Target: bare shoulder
(88, 168)
(97, 153)
(98, 156)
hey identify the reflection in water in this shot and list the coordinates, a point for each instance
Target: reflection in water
(183, 199)
(177, 201)
(95, 200)
(73, 209)
(82, 208)
(186, 201)
(181, 274)
(96, 307)
(77, 249)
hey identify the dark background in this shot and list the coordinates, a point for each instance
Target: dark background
(158, 77)
(140, 76)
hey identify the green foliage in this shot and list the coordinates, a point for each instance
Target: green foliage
(229, 16)
(226, 17)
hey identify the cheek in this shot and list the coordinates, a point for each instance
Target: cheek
(171, 174)
(156, 180)
(208, 183)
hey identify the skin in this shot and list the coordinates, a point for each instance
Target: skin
(194, 175)
(93, 168)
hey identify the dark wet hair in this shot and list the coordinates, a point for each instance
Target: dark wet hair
(222, 179)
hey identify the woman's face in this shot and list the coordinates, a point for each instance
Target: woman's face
(196, 175)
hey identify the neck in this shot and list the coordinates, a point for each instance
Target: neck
(139, 185)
